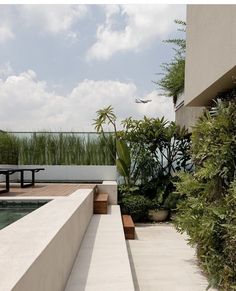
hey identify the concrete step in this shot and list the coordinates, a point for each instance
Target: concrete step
(102, 263)
(100, 204)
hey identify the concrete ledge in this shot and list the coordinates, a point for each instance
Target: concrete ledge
(72, 173)
(102, 262)
(38, 251)
(110, 188)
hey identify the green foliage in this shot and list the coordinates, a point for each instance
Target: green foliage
(158, 150)
(172, 83)
(135, 205)
(56, 149)
(149, 152)
(9, 148)
(207, 210)
(214, 146)
(106, 116)
(123, 162)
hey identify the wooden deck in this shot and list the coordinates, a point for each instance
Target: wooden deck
(45, 189)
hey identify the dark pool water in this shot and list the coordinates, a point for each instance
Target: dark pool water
(11, 211)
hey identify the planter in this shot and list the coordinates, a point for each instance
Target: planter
(158, 215)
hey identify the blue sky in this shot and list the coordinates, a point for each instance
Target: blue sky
(59, 64)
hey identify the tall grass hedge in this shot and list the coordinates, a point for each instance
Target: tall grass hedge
(56, 149)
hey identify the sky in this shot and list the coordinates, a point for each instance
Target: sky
(59, 64)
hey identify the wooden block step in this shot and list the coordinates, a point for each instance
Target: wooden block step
(129, 227)
(100, 204)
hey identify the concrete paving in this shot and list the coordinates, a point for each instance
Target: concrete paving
(161, 260)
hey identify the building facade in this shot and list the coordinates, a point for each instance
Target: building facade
(210, 66)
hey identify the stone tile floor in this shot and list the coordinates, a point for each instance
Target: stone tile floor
(161, 260)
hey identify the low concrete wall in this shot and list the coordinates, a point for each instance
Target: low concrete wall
(70, 173)
(13, 177)
(38, 251)
(109, 187)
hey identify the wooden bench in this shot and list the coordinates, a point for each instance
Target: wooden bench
(129, 227)
(100, 204)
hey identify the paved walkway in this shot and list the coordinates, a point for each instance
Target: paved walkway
(161, 260)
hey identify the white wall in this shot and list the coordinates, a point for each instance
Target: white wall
(13, 177)
(187, 116)
(70, 173)
(210, 52)
(109, 187)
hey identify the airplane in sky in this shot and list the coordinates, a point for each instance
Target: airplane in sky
(142, 100)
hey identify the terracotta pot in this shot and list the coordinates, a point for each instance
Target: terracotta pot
(158, 215)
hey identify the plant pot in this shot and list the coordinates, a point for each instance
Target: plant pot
(158, 215)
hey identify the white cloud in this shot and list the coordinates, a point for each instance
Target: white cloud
(90, 96)
(5, 70)
(5, 32)
(144, 23)
(27, 104)
(53, 18)
(159, 107)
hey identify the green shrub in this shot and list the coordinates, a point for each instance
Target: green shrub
(9, 148)
(207, 210)
(149, 152)
(136, 206)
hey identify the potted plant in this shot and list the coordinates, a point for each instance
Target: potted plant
(157, 212)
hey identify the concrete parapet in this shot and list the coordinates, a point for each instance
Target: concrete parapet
(38, 251)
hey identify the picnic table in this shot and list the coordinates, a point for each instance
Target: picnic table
(9, 171)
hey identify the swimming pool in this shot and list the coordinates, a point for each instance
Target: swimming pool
(11, 211)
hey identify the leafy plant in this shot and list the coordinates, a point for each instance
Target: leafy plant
(135, 205)
(123, 162)
(207, 210)
(158, 150)
(106, 116)
(149, 152)
(172, 83)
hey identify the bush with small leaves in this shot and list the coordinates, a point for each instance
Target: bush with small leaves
(135, 205)
(207, 209)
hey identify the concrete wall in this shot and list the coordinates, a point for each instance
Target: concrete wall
(210, 52)
(109, 187)
(70, 173)
(13, 177)
(187, 116)
(38, 251)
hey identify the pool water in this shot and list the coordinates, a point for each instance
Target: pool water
(11, 211)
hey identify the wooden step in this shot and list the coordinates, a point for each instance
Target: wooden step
(129, 227)
(100, 204)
